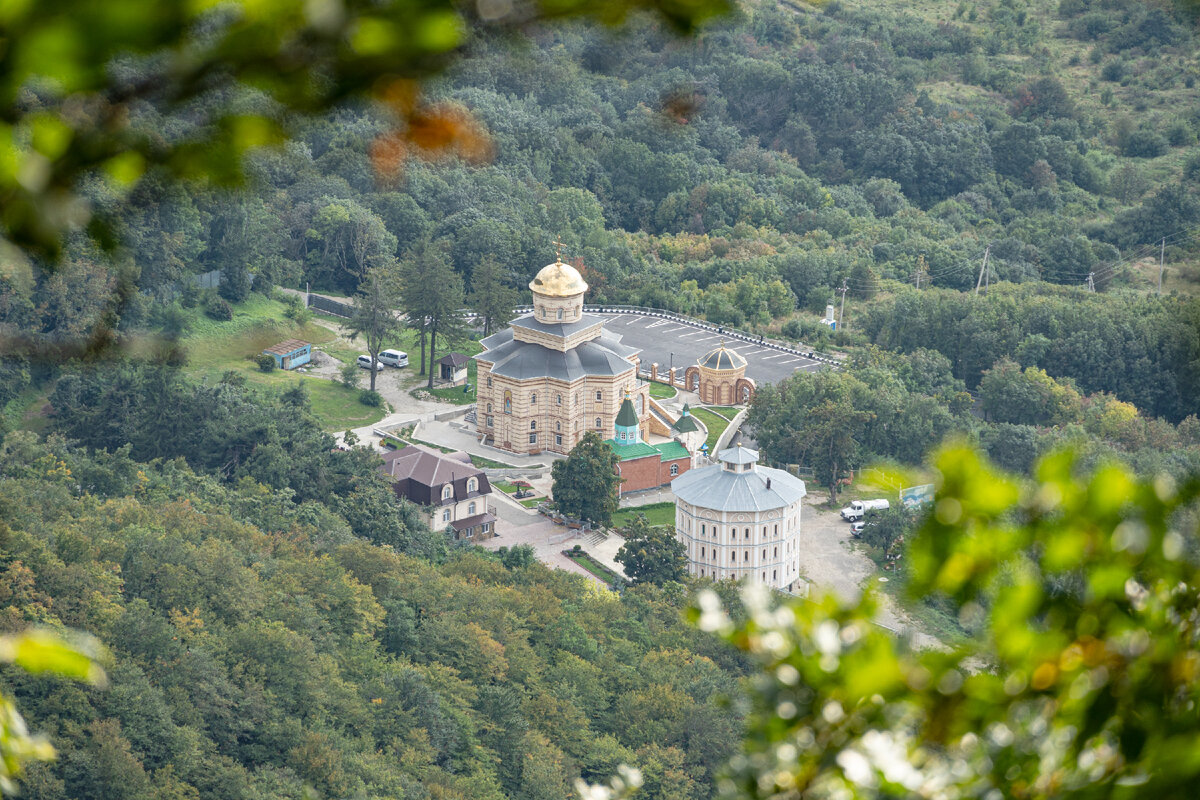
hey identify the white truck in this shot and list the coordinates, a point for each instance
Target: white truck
(859, 509)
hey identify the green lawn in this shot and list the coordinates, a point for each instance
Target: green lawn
(532, 502)
(729, 412)
(715, 423)
(593, 566)
(487, 463)
(662, 391)
(656, 514)
(214, 348)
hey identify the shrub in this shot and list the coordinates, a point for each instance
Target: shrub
(370, 398)
(1145, 143)
(218, 309)
(350, 375)
(265, 362)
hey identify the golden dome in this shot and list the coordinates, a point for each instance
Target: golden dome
(558, 280)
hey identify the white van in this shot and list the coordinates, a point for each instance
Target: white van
(394, 358)
(365, 363)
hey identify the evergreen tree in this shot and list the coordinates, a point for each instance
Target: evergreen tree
(586, 481)
(490, 298)
(375, 313)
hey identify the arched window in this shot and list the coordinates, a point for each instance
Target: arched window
(558, 399)
(507, 401)
(558, 426)
(489, 407)
(471, 508)
(747, 533)
(533, 399)
(776, 552)
(747, 558)
(702, 552)
(472, 484)
(598, 425)
(560, 313)
(733, 556)
(489, 381)
(446, 515)
(599, 396)
(447, 491)
(533, 424)
(674, 469)
(703, 530)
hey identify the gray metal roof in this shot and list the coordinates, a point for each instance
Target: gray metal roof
(738, 455)
(724, 490)
(523, 360)
(557, 328)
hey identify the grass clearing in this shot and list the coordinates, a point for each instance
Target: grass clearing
(216, 347)
(728, 412)
(661, 391)
(487, 463)
(593, 566)
(715, 423)
(656, 514)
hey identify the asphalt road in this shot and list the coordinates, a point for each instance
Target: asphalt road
(669, 342)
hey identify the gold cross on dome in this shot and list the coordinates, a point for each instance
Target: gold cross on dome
(558, 247)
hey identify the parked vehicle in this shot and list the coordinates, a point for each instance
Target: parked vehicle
(860, 508)
(365, 363)
(394, 358)
(856, 528)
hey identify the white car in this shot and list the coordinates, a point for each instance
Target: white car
(365, 363)
(857, 528)
(394, 358)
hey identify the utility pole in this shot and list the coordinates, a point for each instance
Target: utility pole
(843, 311)
(982, 269)
(1161, 254)
(1091, 281)
(920, 268)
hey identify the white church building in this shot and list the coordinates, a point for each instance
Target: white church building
(739, 520)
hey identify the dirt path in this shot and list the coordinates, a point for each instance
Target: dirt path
(830, 560)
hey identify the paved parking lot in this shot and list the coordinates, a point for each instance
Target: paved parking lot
(669, 342)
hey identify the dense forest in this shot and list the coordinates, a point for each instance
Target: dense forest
(258, 647)
(743, 175)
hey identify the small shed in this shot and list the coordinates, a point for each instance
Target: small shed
(452, 368)
(290, 354)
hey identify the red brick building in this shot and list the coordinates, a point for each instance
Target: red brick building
(642, 465)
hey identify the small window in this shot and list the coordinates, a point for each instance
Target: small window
(489, 380)
(558, 439)
(733, 556)
(747, 533)
(446, 515)
(703, 530)
(491, 421)
(533, 398)
(702, 552)
(489, 408)
(560, 313)
(599, 396)
(471, 508)
(776, 552)
(533, 424)
(598, 425)
(747, 558)
(447, 491)
(674, 469)
(487, 526)
(533, 438)
(558, 398)
(472, 484)
(558, 426)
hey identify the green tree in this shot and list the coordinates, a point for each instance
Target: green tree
(490, 297)
(816, 420)
(1084, 600)
(586, 481)
(651, 554)
(374, 315)
(38, 652)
